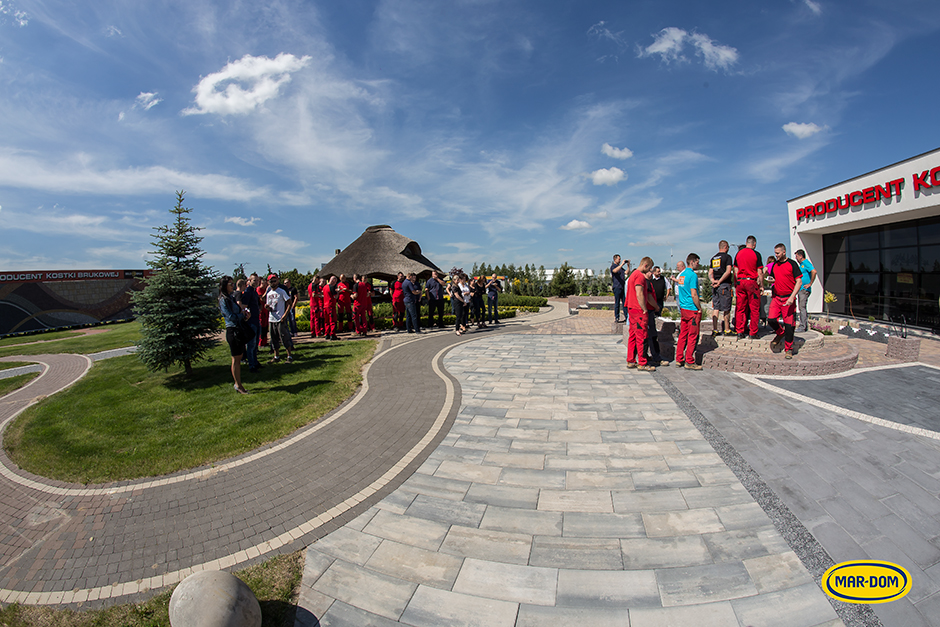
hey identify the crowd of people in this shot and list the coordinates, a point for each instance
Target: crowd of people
(256, 309)
(740, 279)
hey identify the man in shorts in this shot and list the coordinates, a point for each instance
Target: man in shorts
(749, 277)
(721, 275)
(788, 279)
(809, 275)
(277, 301)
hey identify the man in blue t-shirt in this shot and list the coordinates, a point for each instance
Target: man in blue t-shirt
(691, 310)
(809, 275)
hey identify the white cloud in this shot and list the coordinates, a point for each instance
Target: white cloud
(113, 31)
(147, 100)
(78, 174)
(242, 221)
(244, 84)
(616, 153)
(802, 130)
(606, 176)
(575, 225)
(670, 42)
(813, 6)
(600, 31)
(599, 215)
(121, 116)
(20, 18)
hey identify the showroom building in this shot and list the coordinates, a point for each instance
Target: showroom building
(875, 242)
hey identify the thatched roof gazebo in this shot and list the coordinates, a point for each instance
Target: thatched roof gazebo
(380, 253)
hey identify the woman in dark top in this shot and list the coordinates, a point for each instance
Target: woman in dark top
(477, 290)
(233, 314)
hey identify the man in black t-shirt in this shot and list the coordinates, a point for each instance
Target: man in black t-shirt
(618, 277)
(721, 275)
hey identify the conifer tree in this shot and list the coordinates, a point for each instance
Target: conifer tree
(177, 308)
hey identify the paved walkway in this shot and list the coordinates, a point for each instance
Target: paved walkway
(513, 477)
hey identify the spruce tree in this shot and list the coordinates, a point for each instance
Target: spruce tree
(177, 308)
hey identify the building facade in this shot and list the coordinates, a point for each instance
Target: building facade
(875, 242)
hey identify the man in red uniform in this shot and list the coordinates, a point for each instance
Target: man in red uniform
(398, 302)
(344, 317)
(316, 307)
(640, 299)
(788, 279)
(748, 275)
(361, 305)
(329, 308)
(264, 316)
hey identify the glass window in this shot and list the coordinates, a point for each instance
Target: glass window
(899, 259)
(899, 236)
(864, 240)
(865, 284)
(834, 243)
(930, 258)
(900, 284)
(929, 231)
(835, 283)
(865, 261)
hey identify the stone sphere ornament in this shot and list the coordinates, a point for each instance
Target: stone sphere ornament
(214, 598)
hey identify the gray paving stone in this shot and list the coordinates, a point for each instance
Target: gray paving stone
(616, 480)
(446, 511)
(626, 502)
(576, 553)
(415, 565)
(426, 534)
(742, 516)
(653, 553)
(540, 616)
(488, 544)
(681, 523)
(780, 571)
(503, 496)
(475, 473)
(348, 545)
(507, 582)
(525, 477)
(365, 589)
(665, 480)
(431, 607)
(534, 461)
(575, 501)
(704, 584)
(525, 521)
(600, 589)
(803, 606)
(707, 615)
(436, 486)
(315, 564)
(742, 544)
(554, 462)
(589, 525)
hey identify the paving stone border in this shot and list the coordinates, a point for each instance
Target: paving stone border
(816, 559)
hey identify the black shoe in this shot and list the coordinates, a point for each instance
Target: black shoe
(740, 336)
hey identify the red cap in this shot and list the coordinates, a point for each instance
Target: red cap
(272, 276)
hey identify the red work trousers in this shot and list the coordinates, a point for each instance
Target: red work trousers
(639, 329)
(359, 317)
(688, 336)
(316, 319)
(747, 311)
(329, 319)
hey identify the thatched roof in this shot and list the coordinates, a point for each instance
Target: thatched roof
(380, 253)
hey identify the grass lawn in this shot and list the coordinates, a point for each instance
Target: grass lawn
(275, 583)
(11, 384)
(37, 337)
(116, 336)
(122, 422)
(4, 365)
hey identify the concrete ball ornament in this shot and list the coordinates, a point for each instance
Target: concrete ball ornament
(214, 598)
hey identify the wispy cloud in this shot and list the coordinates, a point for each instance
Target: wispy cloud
(8, 11)
(608, 176)
(242, 221)
(813, 6)
(575, 225)
(671, 42)
(147, 100)
(802, 130)
(616, 153)
(241, 86)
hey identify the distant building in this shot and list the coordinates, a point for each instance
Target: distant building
(577, 273)
(380, 253)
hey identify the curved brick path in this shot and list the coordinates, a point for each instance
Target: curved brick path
(62, 543)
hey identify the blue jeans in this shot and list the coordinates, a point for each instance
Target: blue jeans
(492, 313)
(620, 303)
(252, 348)
(411, 317)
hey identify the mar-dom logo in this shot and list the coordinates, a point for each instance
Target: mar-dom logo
(866, 581)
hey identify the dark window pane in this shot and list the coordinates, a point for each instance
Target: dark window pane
(930, 258)
(834, 243)
(865, 261)
(899, 259)
(929, 287)
(900, 284)
(834, 263)
(864, 284)
(835, 283)
(901, 309)
(899, 236)
(929, 231)
(864, 240)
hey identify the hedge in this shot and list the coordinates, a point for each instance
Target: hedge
(303, 321)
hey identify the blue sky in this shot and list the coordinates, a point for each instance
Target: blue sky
(506, 131)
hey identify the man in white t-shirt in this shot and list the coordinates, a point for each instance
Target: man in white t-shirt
(276, 301)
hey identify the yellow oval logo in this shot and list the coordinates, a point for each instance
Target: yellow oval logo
(866, 581)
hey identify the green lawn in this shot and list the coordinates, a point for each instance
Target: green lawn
(38, 337)
(4, 365)
(122, 422)
(275, 583)
(14, 383)
(116, 336)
